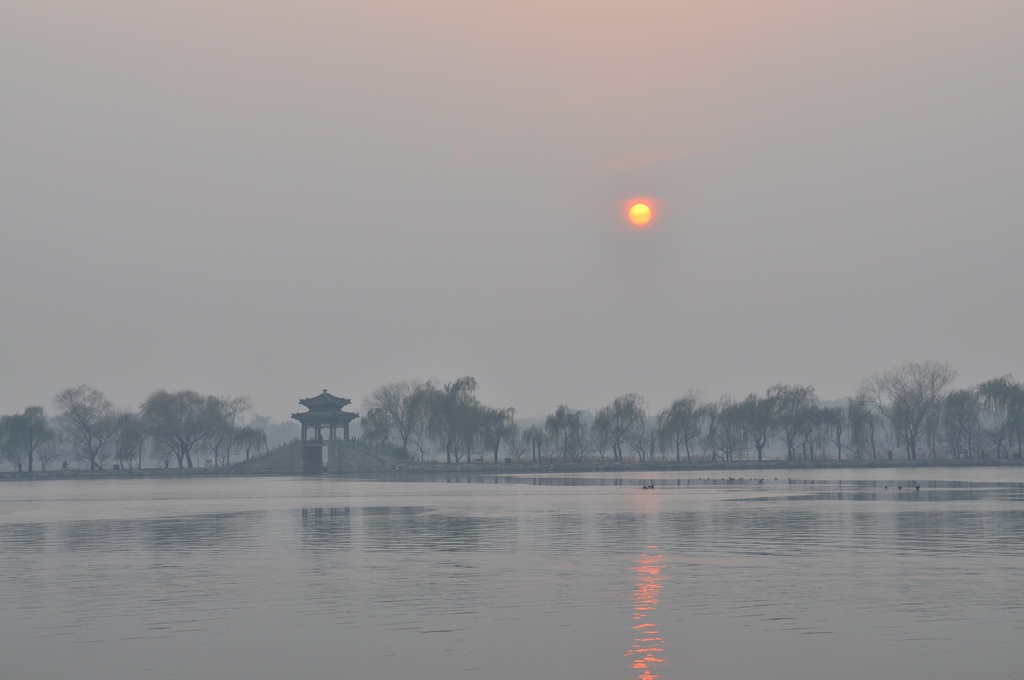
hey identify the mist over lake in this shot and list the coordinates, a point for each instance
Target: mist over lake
(818, 574)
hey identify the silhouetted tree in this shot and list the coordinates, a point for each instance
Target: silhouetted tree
(907, 396)
(404, 403)
(1003, 398)
(89, 421)
(862, 422)
(792, 405)
(23, 433)
(221, 440)
(730, 438)
(499, 426)
(251, 439)
(618, 419)
(376, 426)
(182, 421)
(452, 416)
(534, 436)
(679, 424)
(961, 421)
(131, 439)
(567, 430)
(9, 449)
(708, 414)
(643, 439)
(757, 419)
(516, 443)
(835, 421)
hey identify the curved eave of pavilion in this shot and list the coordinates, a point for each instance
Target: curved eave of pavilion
(321, 418)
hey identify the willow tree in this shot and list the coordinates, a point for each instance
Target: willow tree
(961, 422)
(499, 426)
(251, 439)
(909, 396)
(453, 416)
(793, 406)
(862, 421)
(757, 420)
(1003, 399)
(618, 419)
(183, 421)
(680, 424)
(534, 436)
(567, 430)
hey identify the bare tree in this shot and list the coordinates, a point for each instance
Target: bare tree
(862, 420)
(9, 449)
(452, 416)
(499, 426)
(22, 434)
(567, 431)
(907, 396)
(404, 403)
(730, 437)
(53, 449)
(757, 420)
(597, 441)
(643, 439)
(131, 439)
(534, 436)
(517, 444)
(221, 440)
(376, 426)
(89, 421)
(183, 421)
(1003, 399)
(961, 421)
(835, 421)
(251, 439)
(679, 425)
(709, 414)
(812, 430)
(618, 419)
(792, 404)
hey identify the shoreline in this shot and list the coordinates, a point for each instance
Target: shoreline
(432, 469)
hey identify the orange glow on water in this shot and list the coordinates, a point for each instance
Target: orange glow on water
(648, 645)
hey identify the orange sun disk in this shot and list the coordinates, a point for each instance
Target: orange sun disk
(640, 214)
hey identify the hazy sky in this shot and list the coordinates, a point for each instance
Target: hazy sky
(270, 198)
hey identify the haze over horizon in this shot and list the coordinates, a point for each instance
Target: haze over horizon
(269, 198)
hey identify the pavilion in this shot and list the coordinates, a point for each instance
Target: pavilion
(324, 412)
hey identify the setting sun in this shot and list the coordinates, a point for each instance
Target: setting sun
(639, 214)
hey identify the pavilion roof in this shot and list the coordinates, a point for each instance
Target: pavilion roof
(325, 401)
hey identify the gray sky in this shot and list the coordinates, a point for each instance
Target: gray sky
(270, 198)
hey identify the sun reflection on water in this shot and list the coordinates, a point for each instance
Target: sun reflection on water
(648, 645)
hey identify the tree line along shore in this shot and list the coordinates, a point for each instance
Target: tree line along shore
(911, 413)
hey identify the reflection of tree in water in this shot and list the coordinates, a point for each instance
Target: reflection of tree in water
(23, 537)
(648, 645)
(188, 533)
(437, 532)
(404, 529)
(618, 530)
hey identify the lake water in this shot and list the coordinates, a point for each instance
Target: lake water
(817, 575)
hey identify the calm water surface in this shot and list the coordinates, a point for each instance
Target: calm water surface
(834, 574)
